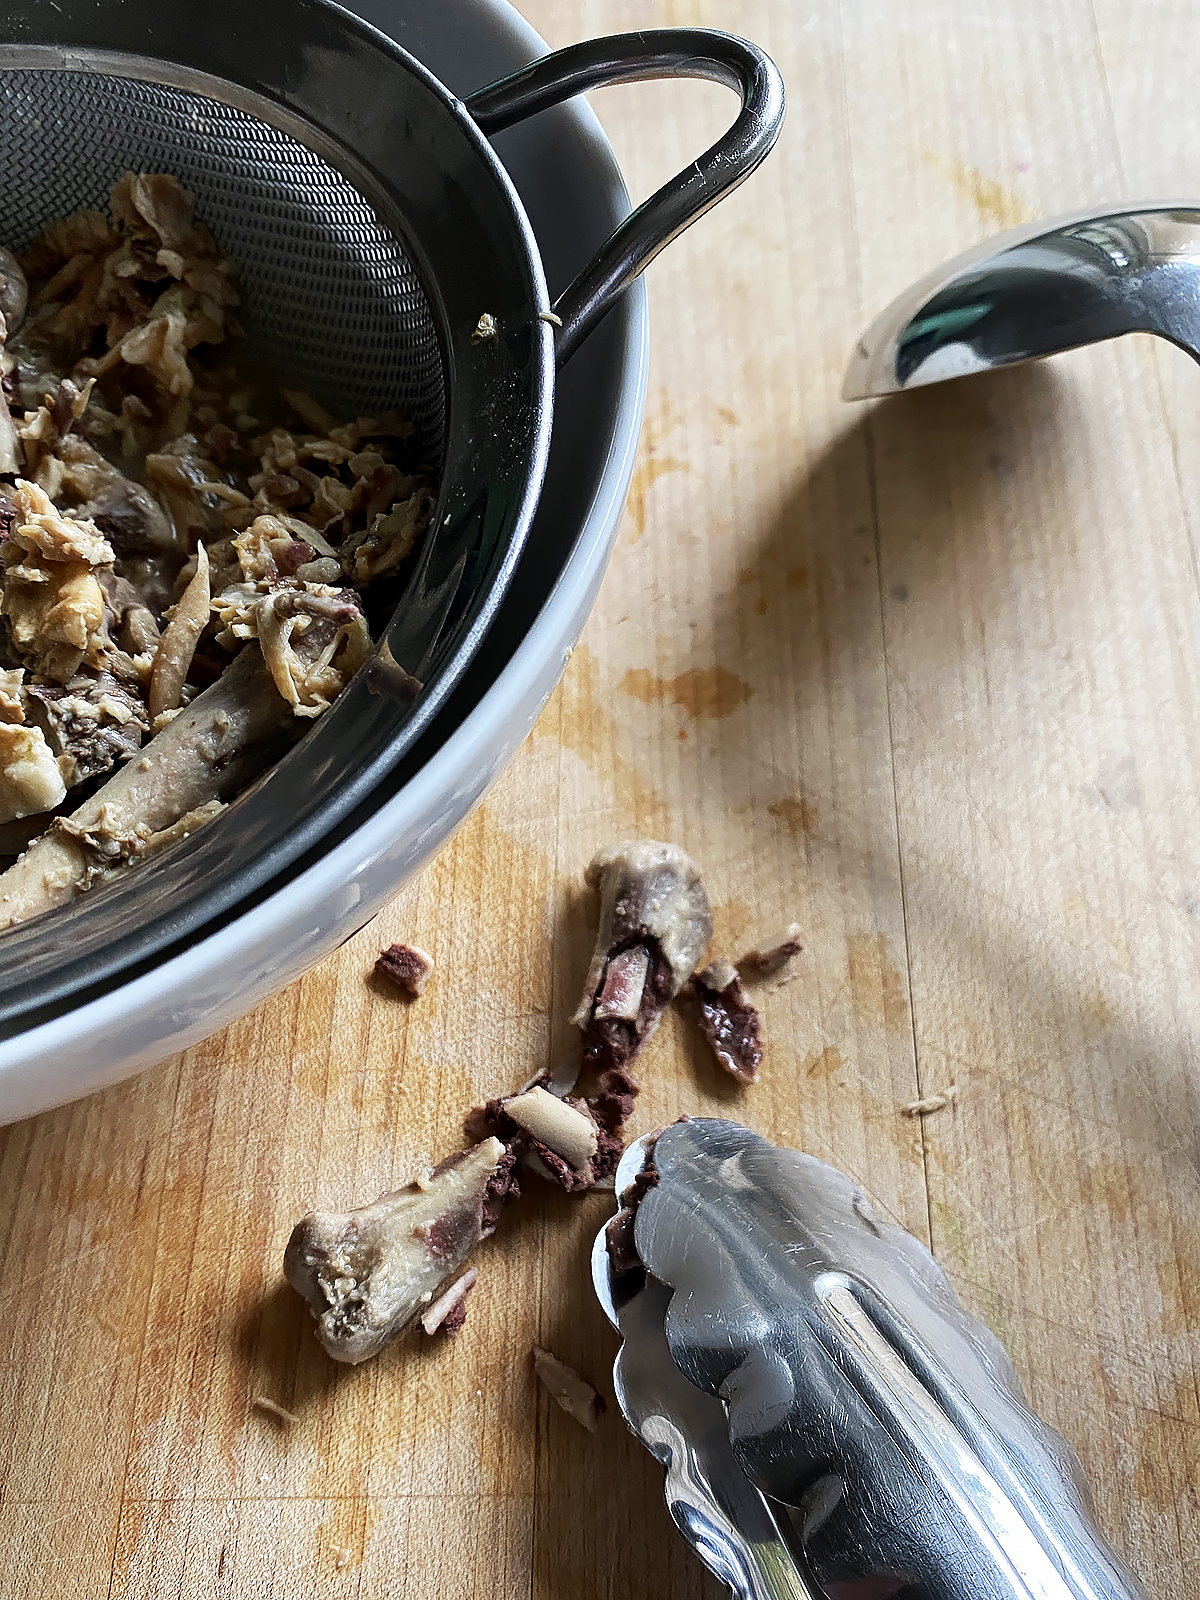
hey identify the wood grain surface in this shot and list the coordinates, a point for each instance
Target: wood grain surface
(922, 676)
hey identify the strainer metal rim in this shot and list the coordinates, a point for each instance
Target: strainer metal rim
(94, 1041)
(686, 52)
(52, 954)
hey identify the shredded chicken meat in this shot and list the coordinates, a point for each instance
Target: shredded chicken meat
(163, 515)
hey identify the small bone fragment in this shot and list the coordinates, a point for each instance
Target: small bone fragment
(624, 980)
(177, 646)
(930, 1103)
(570, 1133)
(564, 1385)
(407, 965)
(728, 1021)
(263, 1402)
(368, 1274)
(448, 1311)
(558, 1081)
(770, 955)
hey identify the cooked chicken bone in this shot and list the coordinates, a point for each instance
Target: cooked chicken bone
(728, 1020)
(173, 657)
(655, 924)
(368, 1274)
(207, 752)
(565, 1386)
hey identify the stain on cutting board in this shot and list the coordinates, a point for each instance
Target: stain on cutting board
(732, 921)
(799, 816)
(700, 691)
(993, 202)
(822, 1063)
(878, 990)
(588, 729)
(646, 474)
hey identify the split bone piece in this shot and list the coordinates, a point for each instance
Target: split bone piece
(569, 1133)
(655, 924)
(206, 752)
(369, 1273)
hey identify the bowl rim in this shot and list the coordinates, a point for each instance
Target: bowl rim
(537, 659)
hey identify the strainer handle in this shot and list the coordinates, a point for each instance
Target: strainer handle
(630, 58)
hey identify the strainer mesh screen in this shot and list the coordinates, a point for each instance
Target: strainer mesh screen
(328, 293)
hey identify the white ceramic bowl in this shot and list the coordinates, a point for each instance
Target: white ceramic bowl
(568, 180)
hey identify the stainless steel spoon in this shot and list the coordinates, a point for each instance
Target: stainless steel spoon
(1037, 290)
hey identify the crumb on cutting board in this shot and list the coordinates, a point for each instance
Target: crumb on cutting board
(930, 1103)
(770, 955)
(572, 1392)
(262, 1402)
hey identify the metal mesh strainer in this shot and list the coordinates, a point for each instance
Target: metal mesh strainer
(373, 225)
(327, 289)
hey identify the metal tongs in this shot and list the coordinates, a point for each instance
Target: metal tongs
(833, 1424)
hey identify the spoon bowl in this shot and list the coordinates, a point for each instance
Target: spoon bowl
(1036, 290)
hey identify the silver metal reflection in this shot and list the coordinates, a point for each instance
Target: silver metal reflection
(1037, 290)
(722, 1516)
(834, 1424)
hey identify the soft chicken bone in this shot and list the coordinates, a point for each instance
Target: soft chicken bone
(407, 966)
(728, 1021)
(206, 753)
(569, 1132)
(559, 1139)
(655, 924)
(771, 955)
(368, 1274)
(574, 1394)
(449, 1311)
(173, 658)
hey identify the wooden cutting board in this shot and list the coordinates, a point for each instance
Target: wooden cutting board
(921, 676)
